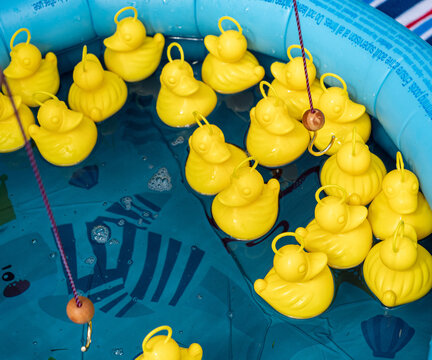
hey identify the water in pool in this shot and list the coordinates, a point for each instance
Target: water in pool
(143, 246)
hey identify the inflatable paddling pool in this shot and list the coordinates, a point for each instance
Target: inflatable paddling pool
(142, 244)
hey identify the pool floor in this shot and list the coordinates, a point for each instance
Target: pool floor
(143, 247)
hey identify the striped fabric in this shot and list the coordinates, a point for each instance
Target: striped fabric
(416, 15)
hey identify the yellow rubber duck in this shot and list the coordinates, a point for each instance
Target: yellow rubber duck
(341, 116)
(274, 138)
(355, 169)
(163, 347)
(290, 82)
(65, 137)
(398, 270)
(11, 137)
(300, 285)
(28, 73)
(247, 208)
(130, 53)
(211, 160)
(229, 68)
(339, 230)
(181, 94)
(95, 92)
(400, 199)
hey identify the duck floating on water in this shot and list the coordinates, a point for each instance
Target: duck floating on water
(300, 284)
(11, 137)
(95, 92)
(229, 67)
(339, 230)
(181, 94)
(397, 269)
(65, 137)
(163, 347)
(341, 116)
(290, 83)
(247, 209)
(29, 73)
(130, 53)
(355, 169)
(274, 137)
(400, 199)
(211, 160)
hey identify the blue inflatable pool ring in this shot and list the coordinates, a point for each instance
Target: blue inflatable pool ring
(387, 68)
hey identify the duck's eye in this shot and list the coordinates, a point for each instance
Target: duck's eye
(389, 190)
(302, 268)
(8, 276)
(202, 147)
(55, 120)
(172, 80)
(337, 109)
(127, 37)
(341, 219)
(288, 75)
(246, 191)
(26, 61)
(414, 187)
(266, 118)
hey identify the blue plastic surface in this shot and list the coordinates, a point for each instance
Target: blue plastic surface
(386, 67)
(143, 246)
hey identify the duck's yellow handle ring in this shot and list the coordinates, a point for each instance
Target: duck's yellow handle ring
(198, 117)
(354, 134)
(400, 165)
(153, 332)
(322, 152)
(250, 158)
(298, 238)
(84, 57)
(340, 188)
(52, 96)
(89, 334)
(123, 10)
(295, 46)
(178, 46)
(334, 76)
(15, 35)
(230, 19)
(400, 227)
(270, 86)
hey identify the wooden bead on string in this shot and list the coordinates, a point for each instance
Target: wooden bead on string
(80, 315)
(313, 120)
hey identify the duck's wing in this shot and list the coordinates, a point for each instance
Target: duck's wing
(285, 297)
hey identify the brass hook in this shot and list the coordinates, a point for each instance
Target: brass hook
(322, 152)
(88, 341)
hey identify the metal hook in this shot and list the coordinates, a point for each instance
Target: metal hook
(89, 333)
(322, 152)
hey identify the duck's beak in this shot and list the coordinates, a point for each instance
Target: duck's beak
(282, 124)
(7, 109)
(71, 119)
(116, 43)
(357, 214)
(278, 71)
(316, 263)
(211, 42)
(187, 86)
(352, 112)
(218, 153)
(16, 71)
(231, 197)
(404, 203)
